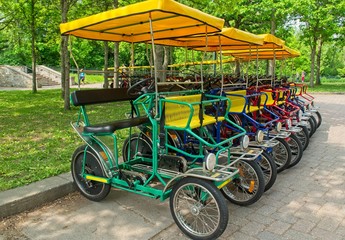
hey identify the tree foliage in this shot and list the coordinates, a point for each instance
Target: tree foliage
(305, 25)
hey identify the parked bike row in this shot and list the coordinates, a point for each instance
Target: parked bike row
(198, 142)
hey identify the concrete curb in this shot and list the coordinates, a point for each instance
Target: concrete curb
(24, 198)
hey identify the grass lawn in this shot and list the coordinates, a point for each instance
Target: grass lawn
(36, 139)
(329, 87)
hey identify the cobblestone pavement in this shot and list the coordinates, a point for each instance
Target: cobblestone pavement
(306, 202)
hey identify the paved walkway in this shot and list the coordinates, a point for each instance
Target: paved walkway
(306, 202)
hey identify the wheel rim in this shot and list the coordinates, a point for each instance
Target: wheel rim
(244, 187)
(294, 149)
(266, 169)
(302, 137)
(280, 155)
(199, 217)
(92, 167)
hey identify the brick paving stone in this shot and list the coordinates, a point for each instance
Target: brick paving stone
(230, 230)
(285, 217)
(296, 235)
(266, 220)
(278, 227)
(331, 209)
(266, 210)
(307, 216)
(340, 231)
(252, 228)
(324, 234)
(238, 220)
(329, 224)
(303, 226)
(265, 235)
(240, 236)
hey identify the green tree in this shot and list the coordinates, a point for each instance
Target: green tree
(321, 21)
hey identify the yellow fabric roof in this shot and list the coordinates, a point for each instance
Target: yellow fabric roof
(279, 53)
(271, 41)
(131, 23)
(230, 38)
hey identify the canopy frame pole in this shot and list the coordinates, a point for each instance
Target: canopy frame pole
(193, 60)
(257, 68)
(274, 67)
(131, 70)
(202, 60)
(75, 62)
(220, 64)
(154, 63)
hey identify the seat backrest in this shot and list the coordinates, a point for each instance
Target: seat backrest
(97, 96)
(175, 111)
(237, 101)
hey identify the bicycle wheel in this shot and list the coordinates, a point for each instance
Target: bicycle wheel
(248, 187)
(198, 208)
(314, 123)
(296, 150)
(281, 155)
(269, 169)
(92, 190)
(303, 136)
(310, 127)
(318, 118)
(138, 145)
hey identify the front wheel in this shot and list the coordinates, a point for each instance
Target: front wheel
(269, 169)
(92, 190)
(198, 208)
(303, 136)
(318, 118)
(281, 154)
(248, 187)
(296, 149)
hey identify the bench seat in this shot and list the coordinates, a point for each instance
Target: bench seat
(178, 111)
(238, 103)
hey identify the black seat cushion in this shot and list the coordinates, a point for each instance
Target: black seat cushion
(105, 128)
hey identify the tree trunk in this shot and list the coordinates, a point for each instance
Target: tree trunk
(237, 68)
(65, 61)
(271, 69)
(312, 63)
(165, 63)
(106, 64)
(33, 47)
(318, 63)
(159, 61)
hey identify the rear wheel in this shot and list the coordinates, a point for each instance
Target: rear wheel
(303, 136)
(198, 208)
(313, 120)
(137, 144)
(269, 169)
(281, 154)
(310, 127)
(248, 187)
(92, 190)
(296, 150)
(318, 118)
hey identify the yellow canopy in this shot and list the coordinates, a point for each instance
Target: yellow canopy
(230, 38)
(271, 41)
(131, 23)
(279, 53)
